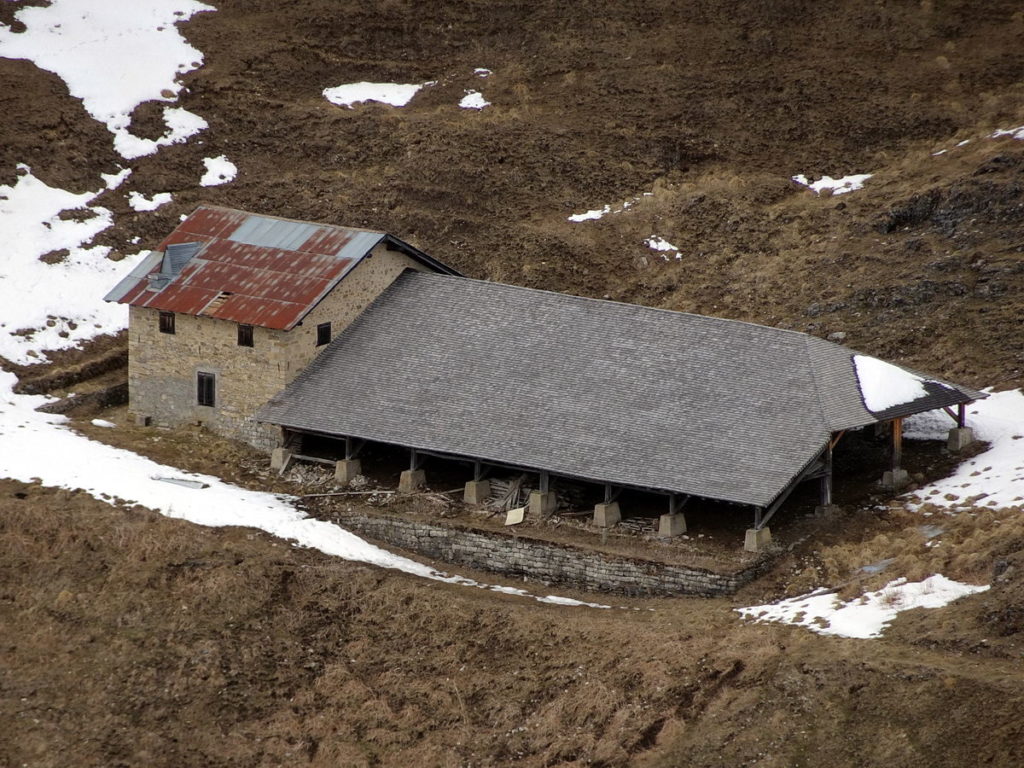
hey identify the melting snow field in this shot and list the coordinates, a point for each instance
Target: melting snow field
(836, 186)
(474, 100)
(866, 616)
(53, 306)
(993, 478)
(113, 55)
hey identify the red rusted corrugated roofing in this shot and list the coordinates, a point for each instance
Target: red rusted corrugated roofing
(260, 270)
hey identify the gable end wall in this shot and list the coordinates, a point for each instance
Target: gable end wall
(162, 367)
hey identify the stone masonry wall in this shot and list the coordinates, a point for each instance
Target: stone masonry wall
(548, 561)
(162, 367)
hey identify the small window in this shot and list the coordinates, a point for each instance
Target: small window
(166, 322)
(245, 335)
(206, 389)
(323, 334)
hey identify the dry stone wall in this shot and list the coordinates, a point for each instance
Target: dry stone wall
(547, 561)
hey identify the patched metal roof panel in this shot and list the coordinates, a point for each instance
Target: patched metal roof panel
(268, 271)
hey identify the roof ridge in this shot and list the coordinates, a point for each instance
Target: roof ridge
(817, 384)
(211, 206)
(631, 304)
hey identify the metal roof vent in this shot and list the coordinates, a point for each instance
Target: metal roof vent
(176, 256)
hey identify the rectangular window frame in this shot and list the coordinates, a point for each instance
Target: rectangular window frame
(323, 334)
(167, 322)
(206, 389)
(245, 335)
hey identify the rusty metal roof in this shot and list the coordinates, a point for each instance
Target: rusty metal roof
(247, 268)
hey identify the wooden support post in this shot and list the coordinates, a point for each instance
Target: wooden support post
(348, 448)
(545, 481)
(478, 472)
(961, 415)
(826, 478)
(897, 444)
(757, 518)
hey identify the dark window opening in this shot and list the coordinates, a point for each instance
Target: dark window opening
(166, 322)
(206, 389)
(323, 334)
(245, 335)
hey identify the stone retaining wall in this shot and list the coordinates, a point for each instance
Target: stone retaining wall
(548, 561)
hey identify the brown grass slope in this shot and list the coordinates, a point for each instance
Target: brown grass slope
(130, 639)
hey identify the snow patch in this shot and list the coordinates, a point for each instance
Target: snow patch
(482, 72)
(1013, 133)
(139, 202)
(181, 126)
(474, 100)
(115, 180)
(884, 385)
(103, 423)
(38, 447)
(53, 306)
(663, 246)
(836, 186)
(395, 94)
(597, 213)
(113, 55)
(219, 170)
(993, 478)
(864, 617)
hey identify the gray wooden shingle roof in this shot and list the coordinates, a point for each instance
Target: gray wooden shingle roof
(599, 390)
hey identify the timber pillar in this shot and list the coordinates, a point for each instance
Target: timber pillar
(897, 477)
(606, 515)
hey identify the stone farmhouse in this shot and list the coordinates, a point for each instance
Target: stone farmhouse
(231, 306)
(287, 334)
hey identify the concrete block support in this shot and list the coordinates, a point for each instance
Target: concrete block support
(477, 492)
(346, 470)
(411, 480)
(142, 420)
(606, 515)
(959, 438)
(278, 457)
(543, 504)
(671, 525)
(757, 539)
(826, 510)
(895, 479)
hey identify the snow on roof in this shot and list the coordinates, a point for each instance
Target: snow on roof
(885, 385)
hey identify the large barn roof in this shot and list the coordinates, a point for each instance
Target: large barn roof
(246, 268)
(598, 390)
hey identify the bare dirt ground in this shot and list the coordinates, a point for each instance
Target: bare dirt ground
(130, 639)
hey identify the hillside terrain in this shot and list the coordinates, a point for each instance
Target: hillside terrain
(127, 638)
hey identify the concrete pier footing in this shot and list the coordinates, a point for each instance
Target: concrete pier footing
(278, 458)
(895, 479)
(346, 470)
(757, 539)
(607, 515)
(411, 480)
(477, 491)
(543, 504)
(671, 525)
(959, 438)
